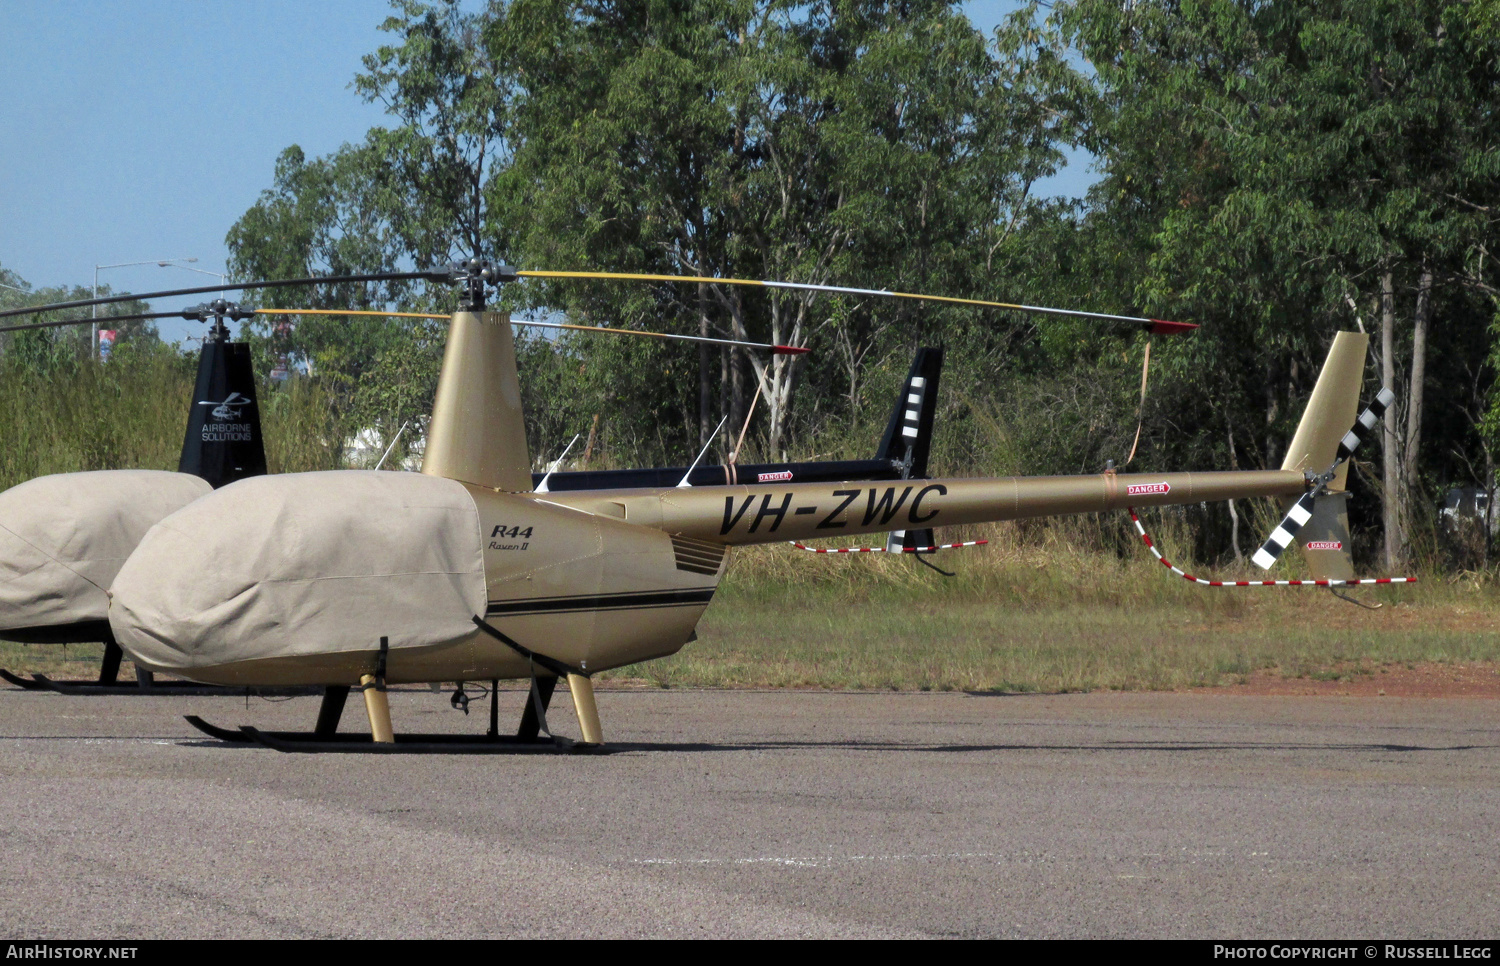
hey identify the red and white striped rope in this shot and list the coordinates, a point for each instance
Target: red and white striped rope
(941, 546)
(1255, 583)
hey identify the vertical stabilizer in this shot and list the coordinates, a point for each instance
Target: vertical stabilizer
(1325, 538)
(908, 435)
(1331, 409)
(223, 441)
(477, 434)
(900, 541)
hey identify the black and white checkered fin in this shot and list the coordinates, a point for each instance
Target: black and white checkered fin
(1365, 423)
(1285, 532)
(908, 435)
(911, 421)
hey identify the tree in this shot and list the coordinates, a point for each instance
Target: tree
(1274, 161)
(860, 143)
(64, 347)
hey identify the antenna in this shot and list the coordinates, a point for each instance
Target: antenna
(701, 452)
(394, 440)
(542, 486)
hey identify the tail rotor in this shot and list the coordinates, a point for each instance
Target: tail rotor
(1307, 505)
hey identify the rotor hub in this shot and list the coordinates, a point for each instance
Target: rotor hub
(218, 310)
(477, 275)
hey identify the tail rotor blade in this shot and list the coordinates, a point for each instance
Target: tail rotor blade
(1285, 532)
(1365, 423)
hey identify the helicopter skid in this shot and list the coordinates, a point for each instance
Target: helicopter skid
(27, 684)
(449, 744)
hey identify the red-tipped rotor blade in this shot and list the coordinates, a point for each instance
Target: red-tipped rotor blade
(1154, 325)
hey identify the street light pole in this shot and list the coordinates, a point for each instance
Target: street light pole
(94, 326)
(223, 279)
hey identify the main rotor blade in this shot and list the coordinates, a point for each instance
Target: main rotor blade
(231, 286)
(86, 320)
(780, 350)
(777, 350)
(1156, 326)
(392, 315)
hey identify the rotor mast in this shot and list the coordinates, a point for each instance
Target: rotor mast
(477, 434)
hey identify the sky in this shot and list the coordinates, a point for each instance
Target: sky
(141, 130)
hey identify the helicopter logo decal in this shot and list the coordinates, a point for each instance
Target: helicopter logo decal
(225, 423)
(225, 411)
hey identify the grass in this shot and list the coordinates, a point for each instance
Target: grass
(63, 662)
(125, 414)
(131, 412)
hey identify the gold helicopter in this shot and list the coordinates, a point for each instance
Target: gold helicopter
(465, 572)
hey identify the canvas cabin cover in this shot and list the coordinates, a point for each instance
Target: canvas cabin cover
(64, 537)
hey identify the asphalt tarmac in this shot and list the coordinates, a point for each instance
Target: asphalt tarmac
(764, 814)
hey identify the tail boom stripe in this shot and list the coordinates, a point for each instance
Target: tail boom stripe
(940, 546)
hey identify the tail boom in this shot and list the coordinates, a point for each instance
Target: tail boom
(742, 515)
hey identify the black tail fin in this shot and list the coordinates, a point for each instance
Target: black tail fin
(900, 541)
(908, 436)
(223, 441)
